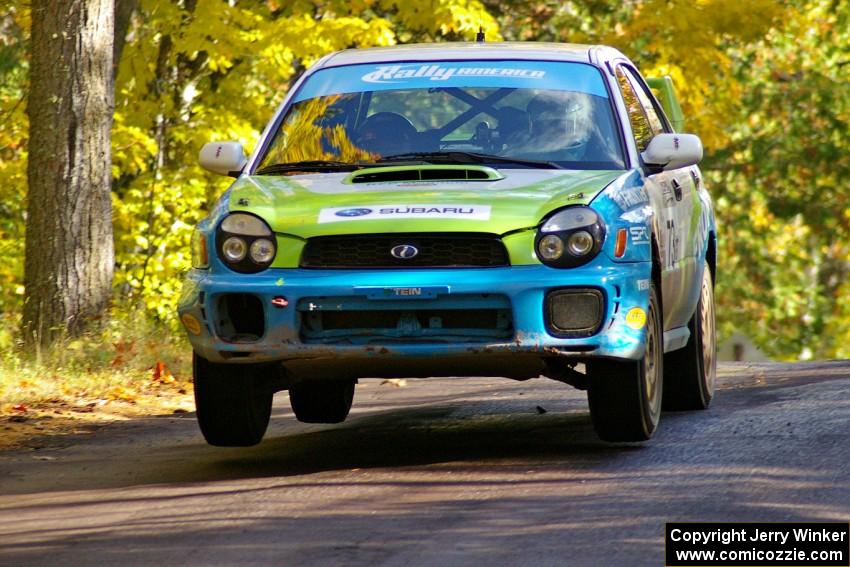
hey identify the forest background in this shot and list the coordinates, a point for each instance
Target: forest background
(764, 83)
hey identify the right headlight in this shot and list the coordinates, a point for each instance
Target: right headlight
(245, 243)
(570, 237)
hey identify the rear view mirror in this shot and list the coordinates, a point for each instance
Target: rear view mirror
(224, 158)
(672, 151)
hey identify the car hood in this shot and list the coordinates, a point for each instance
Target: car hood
(321, 204)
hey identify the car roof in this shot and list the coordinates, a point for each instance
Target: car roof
(472, 50)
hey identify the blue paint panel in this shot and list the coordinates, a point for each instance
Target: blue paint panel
(625, 205)
(579, 77)
(521, 289)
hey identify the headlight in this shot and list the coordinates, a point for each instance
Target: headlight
(569, 219)
(580, 243)
(234, 249)
(551, 247)
(570, 237)
(245, 243)
(247, 225)
(262, 251)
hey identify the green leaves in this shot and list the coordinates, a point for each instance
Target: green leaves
(790, 149)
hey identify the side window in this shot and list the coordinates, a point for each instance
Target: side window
(645, 101)
(637, 115)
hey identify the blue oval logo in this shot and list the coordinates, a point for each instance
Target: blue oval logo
(353, 212)
(404, 251)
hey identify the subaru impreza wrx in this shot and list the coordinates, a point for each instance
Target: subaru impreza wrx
(510, 209)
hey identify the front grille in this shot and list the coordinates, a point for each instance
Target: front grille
(468, 318)
(450, 250)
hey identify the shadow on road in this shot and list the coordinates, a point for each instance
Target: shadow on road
(394, 439)
(475, 432)
(440, 477)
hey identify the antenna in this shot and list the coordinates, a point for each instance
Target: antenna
(479, 37)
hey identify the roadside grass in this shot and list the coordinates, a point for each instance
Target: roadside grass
(126, 367)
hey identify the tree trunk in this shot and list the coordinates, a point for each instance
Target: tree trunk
(69, 248)
(124, 10)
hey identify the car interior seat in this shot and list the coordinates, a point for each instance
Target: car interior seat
(386, 133)
(514, 125)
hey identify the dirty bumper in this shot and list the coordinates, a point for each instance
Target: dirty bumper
(393, 322)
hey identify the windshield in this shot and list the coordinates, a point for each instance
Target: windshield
(438, 111)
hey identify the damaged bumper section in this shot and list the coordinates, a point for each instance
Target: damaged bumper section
(437, 322)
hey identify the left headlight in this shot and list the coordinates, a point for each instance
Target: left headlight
(570, 237)
(245, 243)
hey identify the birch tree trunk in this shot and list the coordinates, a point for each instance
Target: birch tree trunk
(69, 248)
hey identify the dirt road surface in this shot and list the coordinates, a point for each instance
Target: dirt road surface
(444, 472)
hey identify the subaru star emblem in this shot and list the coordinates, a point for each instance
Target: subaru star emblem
(353, 212)
(404, 251)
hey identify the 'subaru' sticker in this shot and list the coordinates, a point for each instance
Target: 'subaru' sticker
(636, 318)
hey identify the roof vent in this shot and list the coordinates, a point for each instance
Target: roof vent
(396, 174)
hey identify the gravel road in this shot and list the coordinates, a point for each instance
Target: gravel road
(439, 472)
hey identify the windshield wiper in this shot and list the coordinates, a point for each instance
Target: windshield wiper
(309, 165)
(468, 157)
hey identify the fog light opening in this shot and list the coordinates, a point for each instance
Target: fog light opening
(240, 317)
(574, 313)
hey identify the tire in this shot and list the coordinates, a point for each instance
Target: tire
(690, 372)
(625, 396)
(322, 401)
(233, 402)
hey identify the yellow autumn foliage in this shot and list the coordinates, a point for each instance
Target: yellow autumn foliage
(763, 82)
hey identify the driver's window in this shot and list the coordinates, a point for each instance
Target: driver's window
(641, 127)
(655, 121)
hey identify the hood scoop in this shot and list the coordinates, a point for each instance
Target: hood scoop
(407, 173)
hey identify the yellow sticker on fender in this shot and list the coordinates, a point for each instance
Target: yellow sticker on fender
(636, 318)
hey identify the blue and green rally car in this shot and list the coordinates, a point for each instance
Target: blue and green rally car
(481, 209)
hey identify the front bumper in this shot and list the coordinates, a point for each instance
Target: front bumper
(521, 290)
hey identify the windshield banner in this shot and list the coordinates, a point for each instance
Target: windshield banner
(547, 75)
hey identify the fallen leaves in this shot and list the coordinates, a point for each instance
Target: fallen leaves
(50, 418)
(123, 352)
(162, 374)
(123, 394)
(97, 381)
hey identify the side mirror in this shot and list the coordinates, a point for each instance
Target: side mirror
(224, 158)
(672, 151)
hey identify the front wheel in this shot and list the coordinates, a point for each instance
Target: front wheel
(322, 401)
(233, 402)
(690, 372)
(625, 396)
